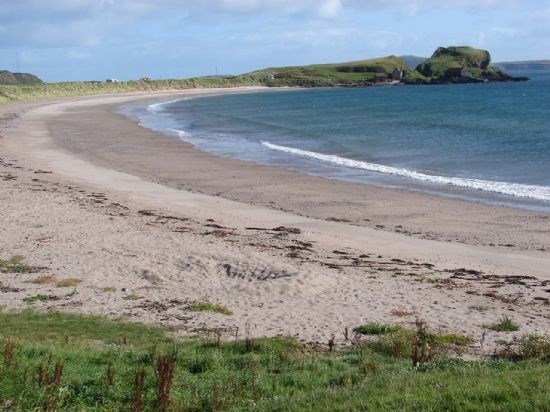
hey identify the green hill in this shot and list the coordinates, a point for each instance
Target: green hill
(9, 78)
(446, 58)
(354, 73)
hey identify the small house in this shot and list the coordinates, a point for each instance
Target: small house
(397, 74)
(380, 77)
(111, 81)
(457, 72)
(270, 76)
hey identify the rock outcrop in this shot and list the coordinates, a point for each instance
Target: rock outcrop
(461, 64)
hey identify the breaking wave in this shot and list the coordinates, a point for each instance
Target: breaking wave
(506, 188)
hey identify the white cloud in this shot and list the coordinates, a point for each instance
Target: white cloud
(330, 8)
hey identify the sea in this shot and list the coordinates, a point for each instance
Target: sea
(488, 143)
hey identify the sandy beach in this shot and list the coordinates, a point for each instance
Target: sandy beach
(149, 224)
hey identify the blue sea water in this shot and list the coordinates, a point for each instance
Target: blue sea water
(485, 142)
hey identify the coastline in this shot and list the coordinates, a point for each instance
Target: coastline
(292, 282)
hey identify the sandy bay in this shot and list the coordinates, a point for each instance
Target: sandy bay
(154, 218)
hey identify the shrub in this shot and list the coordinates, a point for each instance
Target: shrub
(532, 346)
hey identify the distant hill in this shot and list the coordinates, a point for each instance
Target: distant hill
(413, 61)
(9, 78)
(524, 65)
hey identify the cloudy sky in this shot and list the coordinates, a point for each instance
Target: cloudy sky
(96, 39)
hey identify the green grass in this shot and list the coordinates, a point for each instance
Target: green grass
(452, 339)
(204, 306)
(376, 329)
(398, 333)
(505, 324)
(100, 359)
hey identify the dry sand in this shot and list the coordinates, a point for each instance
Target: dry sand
(87, 194)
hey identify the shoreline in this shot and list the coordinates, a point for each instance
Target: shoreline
(180, 165)
(144, 212)
(329, 166)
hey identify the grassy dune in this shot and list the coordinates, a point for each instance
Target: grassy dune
(23, 93)
(58, 361)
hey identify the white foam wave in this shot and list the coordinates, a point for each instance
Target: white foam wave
(181, 133)
(158, 107)
(512, 189)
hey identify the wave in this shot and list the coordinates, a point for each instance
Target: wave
(512, 189)
(180, 133)
(158, 107)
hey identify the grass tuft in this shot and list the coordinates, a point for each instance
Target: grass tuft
(65, 283)
(15, 265)
(505, 325)
(204, 306)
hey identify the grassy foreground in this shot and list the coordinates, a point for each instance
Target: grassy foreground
(64, 362)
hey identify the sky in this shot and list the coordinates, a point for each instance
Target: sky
(68, 40)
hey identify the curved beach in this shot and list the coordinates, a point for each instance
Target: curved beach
(91, 195)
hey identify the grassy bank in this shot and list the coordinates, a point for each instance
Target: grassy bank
(66, 362)
(25, 93)
(355, 73)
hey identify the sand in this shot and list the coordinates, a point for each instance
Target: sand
(150, 224)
